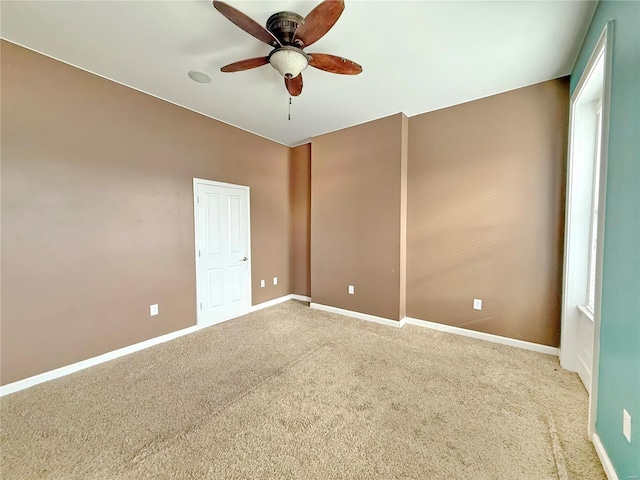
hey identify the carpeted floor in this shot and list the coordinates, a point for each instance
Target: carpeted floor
(289, 392)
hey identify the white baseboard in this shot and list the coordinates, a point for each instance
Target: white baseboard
(276, 301)
(604, 458)
(536, 347)
(270, 303)
(361, 316)
(302, 298)
(62, 371)
(90, 362)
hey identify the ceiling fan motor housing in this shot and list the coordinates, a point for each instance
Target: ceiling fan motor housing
(284, 25)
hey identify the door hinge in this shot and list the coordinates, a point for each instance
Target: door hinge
(198, 252)
(198, 199)
(201, 306)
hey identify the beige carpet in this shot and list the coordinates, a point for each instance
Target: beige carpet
(289, 392)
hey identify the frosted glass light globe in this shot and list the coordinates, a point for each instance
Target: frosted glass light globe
(288, 62)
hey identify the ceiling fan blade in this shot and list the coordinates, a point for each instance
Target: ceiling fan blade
(246, 23)
(294, 85)
(333, 64)
(319, 21)
(245, 64)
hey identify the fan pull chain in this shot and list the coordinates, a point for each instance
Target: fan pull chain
(289, 108)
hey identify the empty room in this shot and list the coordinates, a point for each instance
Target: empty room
(422, 261)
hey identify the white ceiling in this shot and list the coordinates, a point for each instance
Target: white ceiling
(417, 56)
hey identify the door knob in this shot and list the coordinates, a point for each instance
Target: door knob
(244, 259)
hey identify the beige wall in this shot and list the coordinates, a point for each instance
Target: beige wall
(356, 217)
(97, 212)
(300, 178)
(404, 165)
(485, 213)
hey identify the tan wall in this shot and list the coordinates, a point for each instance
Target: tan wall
(300, 177)
(485, 213)
(97, 212)
(404, 165)
(355, 217)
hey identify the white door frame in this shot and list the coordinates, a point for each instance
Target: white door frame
(202, 181)
(569, 341)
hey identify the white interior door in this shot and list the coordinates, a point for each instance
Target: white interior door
(222, 251)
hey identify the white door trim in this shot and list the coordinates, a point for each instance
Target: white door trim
(201, 181)
(568, 343)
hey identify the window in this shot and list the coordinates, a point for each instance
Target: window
(593, 245)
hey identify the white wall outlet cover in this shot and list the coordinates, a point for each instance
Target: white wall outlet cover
(477, 304)
(262, 283)
(626, 425)
(153, 310)
(275, 280)
(352, 289)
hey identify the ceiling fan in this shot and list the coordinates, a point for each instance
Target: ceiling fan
(289, 33)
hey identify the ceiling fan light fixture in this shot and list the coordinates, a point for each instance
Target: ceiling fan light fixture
(289, 34)
(289, 61)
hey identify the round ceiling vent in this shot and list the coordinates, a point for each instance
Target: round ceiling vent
(199, 77)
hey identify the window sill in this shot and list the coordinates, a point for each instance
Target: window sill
(586, 311)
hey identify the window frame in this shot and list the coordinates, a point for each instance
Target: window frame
(595, 204)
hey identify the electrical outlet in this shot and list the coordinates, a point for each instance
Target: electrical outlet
(262, 283)
(352, 289)
(275, 280)
(153, 310)
(626, 425)
(477, 304)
